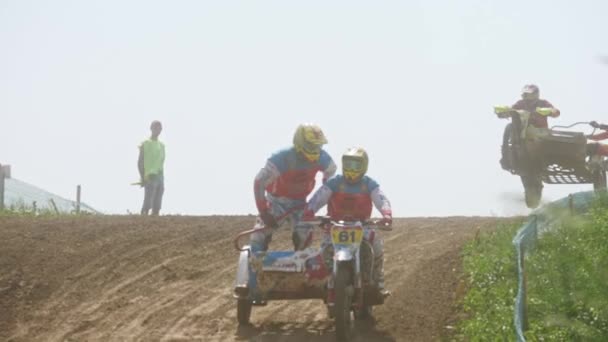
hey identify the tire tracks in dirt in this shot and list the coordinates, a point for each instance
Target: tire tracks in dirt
(129, 278)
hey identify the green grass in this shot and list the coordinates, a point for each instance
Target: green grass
(491, 276)
(568, 280)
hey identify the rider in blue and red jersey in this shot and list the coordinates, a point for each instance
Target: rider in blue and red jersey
(349, 197)
(282, 186)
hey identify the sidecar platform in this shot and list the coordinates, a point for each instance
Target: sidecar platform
(564, 157)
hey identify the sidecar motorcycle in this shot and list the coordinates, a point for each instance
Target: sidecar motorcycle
(550, 156)
(340, 275)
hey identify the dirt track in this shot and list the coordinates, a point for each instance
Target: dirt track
(170, 279)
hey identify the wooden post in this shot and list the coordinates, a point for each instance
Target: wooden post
(571, 204)
(78, 199)
(54, 206)
(1, 187)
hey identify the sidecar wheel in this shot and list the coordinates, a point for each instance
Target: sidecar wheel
(243, 311)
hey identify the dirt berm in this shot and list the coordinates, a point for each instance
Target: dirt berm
(127, 278)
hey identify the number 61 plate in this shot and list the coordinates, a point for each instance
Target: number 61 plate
(347, 235)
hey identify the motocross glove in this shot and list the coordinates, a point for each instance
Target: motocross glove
(386, 220)
(268, 219)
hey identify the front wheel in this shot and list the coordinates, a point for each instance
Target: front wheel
(507, 160)
(345, 291)
(243, 311)
(533, 188)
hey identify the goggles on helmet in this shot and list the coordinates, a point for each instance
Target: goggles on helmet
(529, 96)
(353, 169)
(352, 165)
(312, 152)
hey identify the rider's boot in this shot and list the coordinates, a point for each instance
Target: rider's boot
(379, 276)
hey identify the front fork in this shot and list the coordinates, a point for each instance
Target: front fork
(355, 262)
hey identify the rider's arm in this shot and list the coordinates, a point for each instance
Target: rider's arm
(319, 199)
(599, 136)
(327, 165)
(264, 178)
(140, 163)
(547, 104)
(382, 203)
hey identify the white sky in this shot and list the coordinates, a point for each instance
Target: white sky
(413, 82)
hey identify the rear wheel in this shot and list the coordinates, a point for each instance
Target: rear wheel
(345, 291)
(533, 188)
(243, 311)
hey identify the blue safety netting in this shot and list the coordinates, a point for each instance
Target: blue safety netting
(540, 221)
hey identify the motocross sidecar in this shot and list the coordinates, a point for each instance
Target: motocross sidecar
(271, 275)
(547, 156)
(306, 274)
(562, 159)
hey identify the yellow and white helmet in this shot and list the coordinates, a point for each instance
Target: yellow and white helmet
(308, 140)
(354, 164)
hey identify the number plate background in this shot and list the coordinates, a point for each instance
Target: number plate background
(347, 235)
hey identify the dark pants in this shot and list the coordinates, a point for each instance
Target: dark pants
(153, 194)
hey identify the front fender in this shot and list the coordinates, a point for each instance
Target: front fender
(344, 255)
(242, 271)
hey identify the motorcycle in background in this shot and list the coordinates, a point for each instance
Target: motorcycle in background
(547, 155)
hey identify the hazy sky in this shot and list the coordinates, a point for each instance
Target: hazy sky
(413, 82)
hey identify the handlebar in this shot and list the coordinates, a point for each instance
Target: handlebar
(322, 222)
(574, 124)
(593, 124)
(255, 230)
(504, 112)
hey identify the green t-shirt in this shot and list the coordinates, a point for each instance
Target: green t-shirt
(154, 157)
